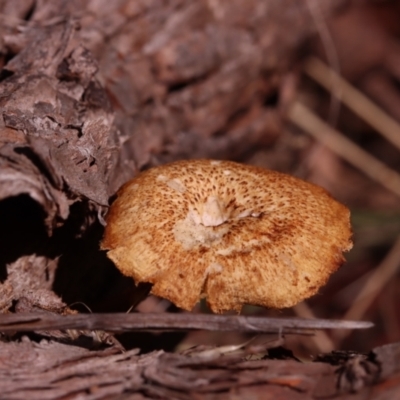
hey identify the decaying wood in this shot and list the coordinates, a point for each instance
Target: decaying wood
(67, 371)
(58, 144)
(118, 322)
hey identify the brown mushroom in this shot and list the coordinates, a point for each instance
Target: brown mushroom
(232, 233)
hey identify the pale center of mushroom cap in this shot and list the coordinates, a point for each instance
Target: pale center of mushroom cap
(212, 213)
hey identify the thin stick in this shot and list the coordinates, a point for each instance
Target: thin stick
(120, 322)
(355, 100)
(303, 117)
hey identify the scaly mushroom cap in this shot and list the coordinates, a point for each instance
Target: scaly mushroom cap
(235, 234)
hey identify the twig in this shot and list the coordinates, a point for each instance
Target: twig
(120, 322)
(303, 117)
(355, 100)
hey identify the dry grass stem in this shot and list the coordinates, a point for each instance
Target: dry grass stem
(321, 339)
(304, 118)
(331, 55)
(374, 286)
(360, 104)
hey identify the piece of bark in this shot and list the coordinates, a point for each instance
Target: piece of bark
(31, 278)
(58, 145)
(388, 357)
(74, 372)
(63, 118)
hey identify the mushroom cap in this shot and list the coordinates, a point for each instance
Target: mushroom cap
(232, 233)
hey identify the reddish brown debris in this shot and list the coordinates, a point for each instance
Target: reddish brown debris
(67, 371)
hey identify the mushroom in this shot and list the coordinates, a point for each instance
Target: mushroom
(231, 233)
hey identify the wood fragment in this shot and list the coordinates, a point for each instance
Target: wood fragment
(64, 371)
(120, 322)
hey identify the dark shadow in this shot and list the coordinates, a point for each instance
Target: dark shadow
(5, 73)
(148, 341)
(272, 99)
(22, 229)
(84, 272)
(84, 275)
(30, 12)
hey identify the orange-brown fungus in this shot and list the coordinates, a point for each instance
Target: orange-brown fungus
(234, 234)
